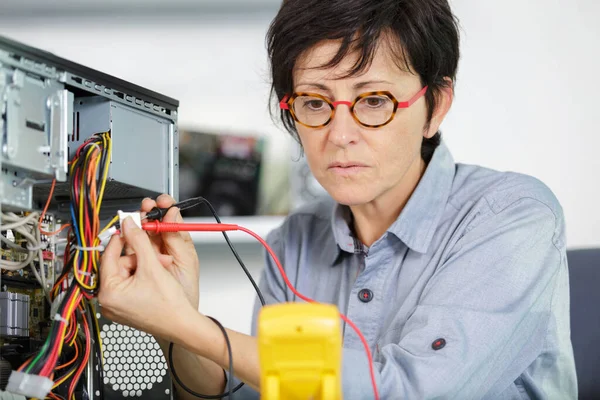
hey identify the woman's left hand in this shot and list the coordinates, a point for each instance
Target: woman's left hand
(137, 290)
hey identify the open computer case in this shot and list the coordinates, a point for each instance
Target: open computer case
(58, 116)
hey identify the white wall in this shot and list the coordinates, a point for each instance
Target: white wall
(525, 101)
(526, 98)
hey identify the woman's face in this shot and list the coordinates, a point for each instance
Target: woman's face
(355, 164)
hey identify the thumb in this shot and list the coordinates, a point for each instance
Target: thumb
(139, 242)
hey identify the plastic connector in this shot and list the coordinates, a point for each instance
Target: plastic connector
(156, 213)
(136, 216)
(29, 385)
(105, 237)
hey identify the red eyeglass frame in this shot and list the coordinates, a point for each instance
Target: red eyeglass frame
(288, 100)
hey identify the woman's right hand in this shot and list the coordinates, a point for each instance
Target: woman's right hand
(185, 267)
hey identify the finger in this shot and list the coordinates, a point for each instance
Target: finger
(147, 205)
(128, 250)
(166, 260)
(176, 241)
(164, 201)
(129, 262)
(156, 240)
(174, 215)
(139, 242)
(109, 263)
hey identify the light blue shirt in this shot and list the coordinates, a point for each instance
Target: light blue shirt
(477, 258)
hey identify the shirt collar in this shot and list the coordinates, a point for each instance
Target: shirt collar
(419, 219)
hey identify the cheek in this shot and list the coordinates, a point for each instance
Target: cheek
(396, 144)
(312, 145)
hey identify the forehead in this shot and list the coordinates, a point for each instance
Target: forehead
(383, 66)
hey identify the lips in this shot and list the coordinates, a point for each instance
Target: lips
(348, 164)
(347, 169)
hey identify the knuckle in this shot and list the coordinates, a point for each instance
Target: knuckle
(165, 199)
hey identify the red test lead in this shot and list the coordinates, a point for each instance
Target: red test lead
(157, 226)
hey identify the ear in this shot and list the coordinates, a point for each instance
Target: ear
(444, 98)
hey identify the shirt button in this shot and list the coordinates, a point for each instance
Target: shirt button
(365, 295)
(438, 344)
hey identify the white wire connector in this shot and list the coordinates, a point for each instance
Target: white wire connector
(136, 216)
(84, 273)
(95, 248)
(29, 385)
(58, 317)
(106, 235)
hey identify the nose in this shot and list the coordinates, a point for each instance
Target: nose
(343, 129)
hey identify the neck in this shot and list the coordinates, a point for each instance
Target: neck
(372, 219)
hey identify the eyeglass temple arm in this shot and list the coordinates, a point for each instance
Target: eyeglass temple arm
(283, 103)
(406, 104)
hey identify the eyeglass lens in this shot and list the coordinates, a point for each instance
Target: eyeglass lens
(370, 110)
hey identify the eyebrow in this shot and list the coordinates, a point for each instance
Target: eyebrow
(357, 85)
(360, 85)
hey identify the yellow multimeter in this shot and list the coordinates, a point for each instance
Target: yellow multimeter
(300, 351)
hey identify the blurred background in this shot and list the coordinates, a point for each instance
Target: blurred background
(526, 101)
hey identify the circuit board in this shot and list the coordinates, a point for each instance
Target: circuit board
(25, 277)
(24, 282)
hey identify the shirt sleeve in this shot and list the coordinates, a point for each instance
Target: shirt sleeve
(489, 300)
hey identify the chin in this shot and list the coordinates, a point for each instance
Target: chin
(350, 196)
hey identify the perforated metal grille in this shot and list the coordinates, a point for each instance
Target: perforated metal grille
(133, 361)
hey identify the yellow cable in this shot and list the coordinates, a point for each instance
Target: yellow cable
(108, 142)
(70, 309)
(86, 254)
(64, 378)
(111, 223)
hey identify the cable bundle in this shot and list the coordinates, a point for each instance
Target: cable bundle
(68, 347)
(28, 227)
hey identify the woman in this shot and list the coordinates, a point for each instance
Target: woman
(456, 274)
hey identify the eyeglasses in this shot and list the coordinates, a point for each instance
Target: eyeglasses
(371, 109)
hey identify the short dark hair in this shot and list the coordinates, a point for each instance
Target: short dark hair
(425, 30)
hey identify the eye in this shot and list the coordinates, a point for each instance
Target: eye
(374, 101)
(314, 104)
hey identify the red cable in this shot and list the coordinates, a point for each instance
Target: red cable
(157, 227)
(84, 362)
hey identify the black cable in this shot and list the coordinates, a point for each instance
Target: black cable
(158, 213)
(235, 253)
(230, 381)
(97, 348)
(188, 204)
